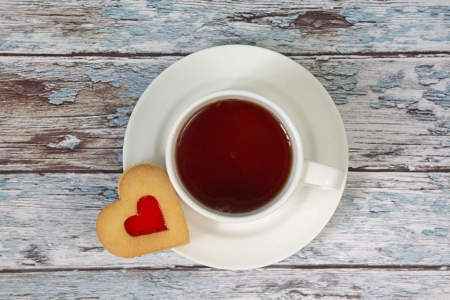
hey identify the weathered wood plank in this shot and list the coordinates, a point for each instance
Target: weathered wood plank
(70, 114)
(171, 26)
(392, 219)
(217, 284)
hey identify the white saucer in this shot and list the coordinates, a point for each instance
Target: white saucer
(305, 214)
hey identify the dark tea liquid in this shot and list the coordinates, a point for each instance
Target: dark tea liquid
(233, 156)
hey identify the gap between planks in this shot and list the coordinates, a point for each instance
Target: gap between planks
(191, 268)
(398, 170)
(352, 170)
(395, 54)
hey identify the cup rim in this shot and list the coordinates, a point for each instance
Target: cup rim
(280, 114)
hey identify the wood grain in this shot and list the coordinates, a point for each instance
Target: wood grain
(217, 284)
(164, 26)
(400, 219)
(71, 72)
(70, 114)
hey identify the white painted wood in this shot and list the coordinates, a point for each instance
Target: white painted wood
(393, 219)
(65, 102)
(217, 284)
(165, 26)
(395, 110)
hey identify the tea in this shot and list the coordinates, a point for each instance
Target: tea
(233, 156)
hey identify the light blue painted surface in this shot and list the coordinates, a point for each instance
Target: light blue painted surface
(340, 81)
(442, 128)
(122, 116)
(65, 142)
(107, 90)
(440, 97)
(396, 112)
(389, 101)
(188, 26)
(428, 75)
(270, 284)
(392, 81)
(395, 222)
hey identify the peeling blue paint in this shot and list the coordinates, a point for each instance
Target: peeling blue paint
(110, 194)
(339, 98)
(121, 117)
(428, 232)
(343, 50)
(426, 27)
(428, 75)
(381, 207)
(134, 79)
(434, 176)
(383, 202)
(440, 97)
(138, 31)
(434, 9)
(365, 38)
(441, 231)
(106, 76)
(261, 18)
(435, 39)
(120, 156)
(407, 42)
(438, 231)
(355, 16)
(422, 114)
(120, 13)
(195, 27)
(347, 69)
(430, 159)
(405, 34)
(406, 254)
(404, 28)
(389, 101)
(284, 22)
(393, 81)
(35, 184)
(161, 6)
(63, 95)
(390, 201)
(339, 80)
(66, 63)
(386, 240)
(441, 207)
(353, 198)
(394, 11)
(96, 66)
(132, 28)
(387, 150)
(347, 83)
(383, 39)
(441, 128)
(65, 142)
(6, 196)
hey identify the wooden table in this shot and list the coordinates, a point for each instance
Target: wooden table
(71, 72)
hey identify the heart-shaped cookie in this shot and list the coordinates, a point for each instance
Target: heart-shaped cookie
(147, 218)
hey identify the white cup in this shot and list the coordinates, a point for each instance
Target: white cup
(304, 171)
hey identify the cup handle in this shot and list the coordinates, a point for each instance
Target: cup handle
(323, 176)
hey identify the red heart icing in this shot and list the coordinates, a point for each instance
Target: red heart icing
(149, 218)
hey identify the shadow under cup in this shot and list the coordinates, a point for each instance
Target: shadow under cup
(234, 156)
